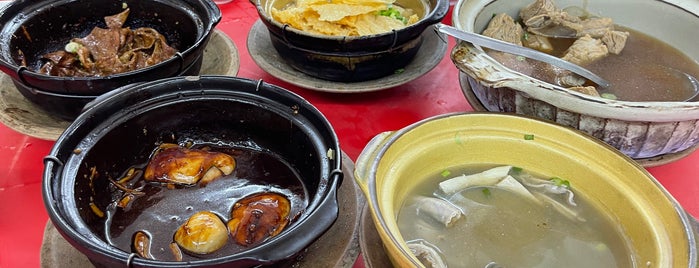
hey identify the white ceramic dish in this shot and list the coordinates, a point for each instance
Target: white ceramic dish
(638, 129)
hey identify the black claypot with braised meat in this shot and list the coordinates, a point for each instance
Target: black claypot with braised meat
(208, 171)
(33, 31)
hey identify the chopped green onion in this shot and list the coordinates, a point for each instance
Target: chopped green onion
(528, 137)
(601, 247)
(486, 192)
(72, 47)
(520, 58)
(560, 182)
(393, 13)
(525, 36)
(608, 96)
(445, 173)
(399, 71)
(516, 170)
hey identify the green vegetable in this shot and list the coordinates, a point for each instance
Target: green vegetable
(486, 192)
(445, 173)
(72, 47)
(516, 170)
(560, 182)
(608, 96)
(529, 137)
(399, 71)
(393, 13)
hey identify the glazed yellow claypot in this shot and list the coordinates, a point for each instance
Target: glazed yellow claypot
(659, 231)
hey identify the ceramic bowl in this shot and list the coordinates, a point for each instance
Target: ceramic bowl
(640, 130)
(395, 163)
(350, 58)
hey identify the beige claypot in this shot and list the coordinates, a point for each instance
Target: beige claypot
(638, 129)
(393, 163)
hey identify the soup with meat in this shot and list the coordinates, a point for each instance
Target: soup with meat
(505, 217)
(639, 67)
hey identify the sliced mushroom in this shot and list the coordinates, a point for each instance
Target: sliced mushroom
(256, 217)
(203, 233)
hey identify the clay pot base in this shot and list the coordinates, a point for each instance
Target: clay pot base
(338, 247)
(220, 58)
(266, 57)
(645, 162)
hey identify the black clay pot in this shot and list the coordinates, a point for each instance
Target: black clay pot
(121, 128)
(68, 106)
(345, 58)
(38, 27)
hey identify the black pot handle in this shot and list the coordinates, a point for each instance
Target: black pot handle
(11, 70)
(58, 164)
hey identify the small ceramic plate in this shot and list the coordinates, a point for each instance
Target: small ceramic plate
(263, 53)
(338, 247)
(18, 113)
(645, 162)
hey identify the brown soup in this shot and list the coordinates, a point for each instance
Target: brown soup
(161, 211)
(636, 74)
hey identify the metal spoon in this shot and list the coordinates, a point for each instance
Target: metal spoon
(498, 45)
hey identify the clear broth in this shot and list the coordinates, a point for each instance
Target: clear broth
(513, 231)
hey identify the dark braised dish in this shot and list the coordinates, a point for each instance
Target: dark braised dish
(116, 49)
(199, 201)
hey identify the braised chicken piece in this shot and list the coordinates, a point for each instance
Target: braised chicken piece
(174, 164)
(203, 233)
(113, 50)
(256, 217)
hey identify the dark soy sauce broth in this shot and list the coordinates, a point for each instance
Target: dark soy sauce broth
(161, 210)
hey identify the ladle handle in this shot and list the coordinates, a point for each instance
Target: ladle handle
(502, 46)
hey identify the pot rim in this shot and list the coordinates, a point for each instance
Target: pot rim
(435, 15)
(382, 142)
(473, 61)
(320, 212)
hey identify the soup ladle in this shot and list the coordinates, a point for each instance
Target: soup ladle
(503, 46)
(495, 44)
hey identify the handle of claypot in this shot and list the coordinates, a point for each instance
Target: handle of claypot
(12, 71)
(365, 160)
(56, 171)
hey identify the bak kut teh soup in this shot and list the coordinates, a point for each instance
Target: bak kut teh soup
(639, 66)
(504, 216)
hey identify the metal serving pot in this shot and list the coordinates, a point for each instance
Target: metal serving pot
(349, 58)
(38, 27)
(121, 129)
(659, 231)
